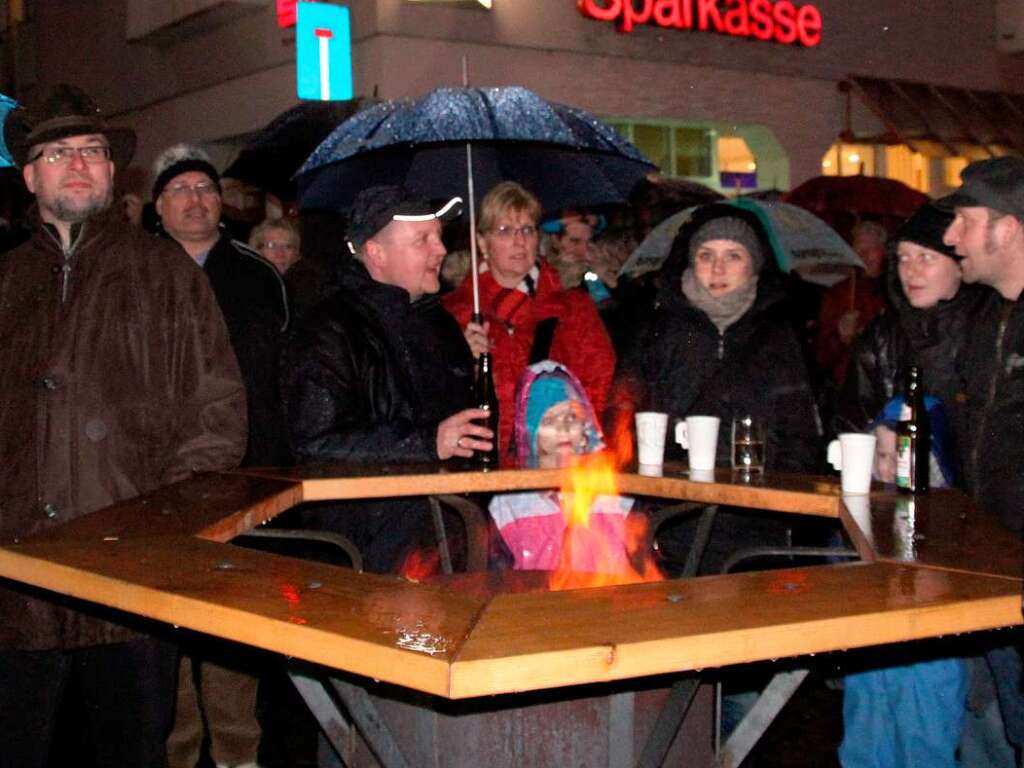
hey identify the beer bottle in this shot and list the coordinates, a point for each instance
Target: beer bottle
(913, 438)
(485, 396)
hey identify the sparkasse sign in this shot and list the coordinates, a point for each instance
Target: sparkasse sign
(780, 21)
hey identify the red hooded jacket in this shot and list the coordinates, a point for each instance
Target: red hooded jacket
(580, 341)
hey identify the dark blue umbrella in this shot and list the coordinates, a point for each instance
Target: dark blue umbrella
(273, 154)
(565, 156)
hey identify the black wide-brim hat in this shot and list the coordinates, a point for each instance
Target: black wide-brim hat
(67, 111)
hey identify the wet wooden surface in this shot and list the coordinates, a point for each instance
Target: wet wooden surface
(160, 556)
(940, 529)
(559, 638)
(213, 506)
(798, 494)
(382, 627)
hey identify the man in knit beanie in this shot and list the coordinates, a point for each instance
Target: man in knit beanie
(251, 295)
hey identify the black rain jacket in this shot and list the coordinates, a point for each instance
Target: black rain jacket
(678, 362)
(934, 339)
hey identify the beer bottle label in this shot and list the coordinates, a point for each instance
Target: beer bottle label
(904, 461)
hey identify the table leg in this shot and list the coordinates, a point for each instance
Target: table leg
(752, 727)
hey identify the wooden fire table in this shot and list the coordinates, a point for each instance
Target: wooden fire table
(937, 567)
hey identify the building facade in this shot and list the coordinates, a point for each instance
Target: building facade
(722, 108)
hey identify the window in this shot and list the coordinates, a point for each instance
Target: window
(693, 152)
(926, 171)
(849, 160)
(726, 157)
(951, 169)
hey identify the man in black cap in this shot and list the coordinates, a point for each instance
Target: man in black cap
(118, 377)
(988, 235)
(380, 373)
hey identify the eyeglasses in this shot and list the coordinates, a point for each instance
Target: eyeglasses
(201, 188)
(508, 232)
(91, 154)
(272, 245)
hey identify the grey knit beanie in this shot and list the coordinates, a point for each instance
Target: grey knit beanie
(729, 228)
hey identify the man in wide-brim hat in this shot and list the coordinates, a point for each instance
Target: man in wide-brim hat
(67, 154)
(118, 377)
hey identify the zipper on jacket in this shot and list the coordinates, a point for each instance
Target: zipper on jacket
(721, 345)
(65, 270)
(65, 278)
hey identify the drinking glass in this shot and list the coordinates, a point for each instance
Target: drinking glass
(748, 444)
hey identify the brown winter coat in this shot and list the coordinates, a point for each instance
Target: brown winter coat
(116, 377)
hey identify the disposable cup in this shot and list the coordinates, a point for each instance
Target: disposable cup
(650, 437)
(853, 454)
(699, 437)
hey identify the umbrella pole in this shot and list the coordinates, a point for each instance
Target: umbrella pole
(471, 195)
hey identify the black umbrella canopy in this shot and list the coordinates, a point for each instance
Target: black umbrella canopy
(272, 156)
(564, 155)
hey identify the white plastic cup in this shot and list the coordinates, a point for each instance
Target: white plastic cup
(853, 454)
(702, 475)
(698, 435)
(651, 427)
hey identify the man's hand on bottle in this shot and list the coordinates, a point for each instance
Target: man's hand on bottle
(459, 435)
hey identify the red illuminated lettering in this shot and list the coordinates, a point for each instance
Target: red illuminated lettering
(595, 10)
(761, 24)
(736, 20)
(808, 24)
(668, 13)
(286, 12)
(784, 14)
(779, 20)
(708, 9)
(631, 16)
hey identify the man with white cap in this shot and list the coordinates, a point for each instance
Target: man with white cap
(380, 372)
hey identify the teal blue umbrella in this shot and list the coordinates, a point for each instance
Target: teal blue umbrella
(6, 105)
(799, 239)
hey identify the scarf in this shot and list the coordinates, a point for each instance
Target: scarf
(722, 311)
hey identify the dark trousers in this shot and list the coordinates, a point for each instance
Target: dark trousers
(127, 692)
(1007, 673)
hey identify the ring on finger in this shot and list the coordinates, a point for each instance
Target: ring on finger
(459, 441)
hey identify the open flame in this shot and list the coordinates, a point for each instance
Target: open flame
(584, 537)
(420, 564)
(602, 545)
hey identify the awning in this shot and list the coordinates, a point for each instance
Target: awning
(939, 120)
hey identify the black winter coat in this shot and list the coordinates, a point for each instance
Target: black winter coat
(678, 362)
(993, 445)
(252, 297)
(367, 377)
(934, 339)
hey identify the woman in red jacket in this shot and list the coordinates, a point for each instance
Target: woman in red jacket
(527, 316)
